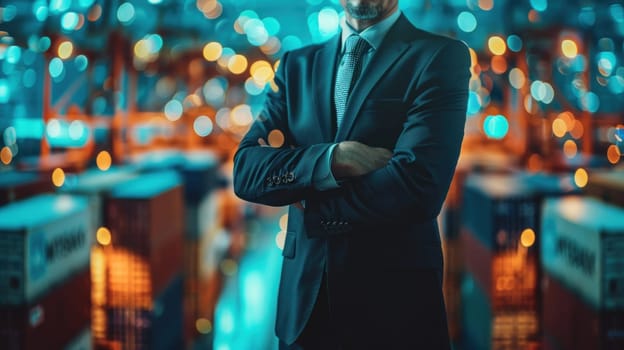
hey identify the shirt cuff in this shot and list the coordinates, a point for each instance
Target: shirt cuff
(322, 177)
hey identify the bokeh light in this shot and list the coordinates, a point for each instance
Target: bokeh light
(58, 177)
(581, 177)
(104, 160)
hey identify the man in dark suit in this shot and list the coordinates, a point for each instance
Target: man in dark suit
(372, 123)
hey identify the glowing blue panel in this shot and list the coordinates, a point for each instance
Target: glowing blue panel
(28, 128)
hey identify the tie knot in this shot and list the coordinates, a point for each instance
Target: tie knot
(356, 45)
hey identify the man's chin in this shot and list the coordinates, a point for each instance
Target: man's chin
(364, 13)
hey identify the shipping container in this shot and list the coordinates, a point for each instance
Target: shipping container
(55, 321)
(155, 327)
(146, 218)
(583, 248)
(15, 186)
(44, 240)
(96, 184)
(485, 327)
(570, 323)
(607, 186)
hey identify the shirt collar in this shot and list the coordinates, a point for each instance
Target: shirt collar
(374, 34)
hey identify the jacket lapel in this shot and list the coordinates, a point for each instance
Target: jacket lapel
(324, 71)
(391, 49)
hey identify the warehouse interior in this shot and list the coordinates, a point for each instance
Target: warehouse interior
(120, 228)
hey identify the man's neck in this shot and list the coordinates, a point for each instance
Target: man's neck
(359, 25)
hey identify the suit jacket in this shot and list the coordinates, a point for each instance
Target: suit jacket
(368, 234)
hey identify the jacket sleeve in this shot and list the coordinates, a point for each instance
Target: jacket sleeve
(269, 173)
(414, 183)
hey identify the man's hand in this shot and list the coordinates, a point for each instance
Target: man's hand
(352, 158)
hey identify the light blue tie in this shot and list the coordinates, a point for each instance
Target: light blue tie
(348, 72)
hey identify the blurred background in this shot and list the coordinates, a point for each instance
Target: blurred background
(119, 228)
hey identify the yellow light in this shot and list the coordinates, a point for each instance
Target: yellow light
(103, 160)
(276, 138)
(65, 50)
(497, 45)
(613, 154)
(527, 238)
(280, 239)
(581, 178)
(559, 128)
(142, 49)
(204, 326)
(6, 156)
(212, 51)
(237, 64)
(283, 222)
(570, 149)
(58, 177)
(262, 72)
(103, 236)
(568, 118)
(569, 48)
(276, 65)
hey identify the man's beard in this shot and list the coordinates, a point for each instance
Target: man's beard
(364, 11)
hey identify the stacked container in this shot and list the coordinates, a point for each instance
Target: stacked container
(583, 287)
(44, 273)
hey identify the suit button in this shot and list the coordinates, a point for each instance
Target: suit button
(291, 176)
(269, 181)
(276, 180)
(284, 178)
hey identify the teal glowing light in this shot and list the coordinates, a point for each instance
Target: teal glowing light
(56, 67)
(257, 35)
(29, 78)
(70, 20)
(5, 92)
(617, 12)
(173, 110)
(86, 3)
(13, 54)
(474, 103)
(154, 2)
(291, 42)
(41, 11)
(539, 5)
(272, 25)
(202, 126)
(607, 61)
(328, 22)
(58, 6)
(496, 127)
(44, 43)
(81, 62)
(9, 13)
(28, 128)
(252, 88)
(514, 43)
(616, 85)
(126, 13)
(590, 102)
(467, 22)
(619, 139)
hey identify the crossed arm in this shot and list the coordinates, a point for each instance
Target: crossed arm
(413, 183)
